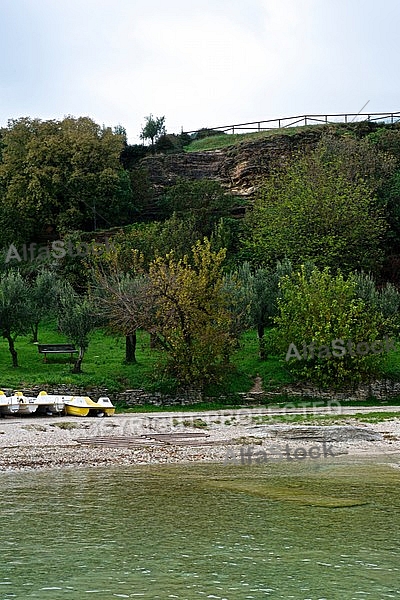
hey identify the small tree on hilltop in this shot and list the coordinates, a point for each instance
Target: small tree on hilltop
(153, 129)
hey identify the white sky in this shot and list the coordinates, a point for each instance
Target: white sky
(198, 62)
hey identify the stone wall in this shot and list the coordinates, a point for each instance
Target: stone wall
(381, 390)
(136, 397)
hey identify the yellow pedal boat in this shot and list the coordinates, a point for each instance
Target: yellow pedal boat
(82, 406)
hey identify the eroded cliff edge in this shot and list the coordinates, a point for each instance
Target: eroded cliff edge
(239, 168)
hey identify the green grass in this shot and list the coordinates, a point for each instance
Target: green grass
(216, 142)
(102, 364)
(247, 362)
(372, 417)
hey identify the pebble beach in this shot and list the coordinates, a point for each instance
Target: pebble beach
(28, 443)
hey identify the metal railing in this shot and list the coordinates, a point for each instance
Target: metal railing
(300, 120)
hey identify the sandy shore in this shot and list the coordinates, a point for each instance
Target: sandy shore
(53, 442)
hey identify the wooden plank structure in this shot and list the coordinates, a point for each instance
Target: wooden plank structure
(56, 349)
(153, 439)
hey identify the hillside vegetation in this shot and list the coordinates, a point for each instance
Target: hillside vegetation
(99, 239)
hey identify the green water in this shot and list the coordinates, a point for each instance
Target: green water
(310, 530)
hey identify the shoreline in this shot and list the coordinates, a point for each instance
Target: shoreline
(42, 443)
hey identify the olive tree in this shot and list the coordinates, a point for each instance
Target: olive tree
(16, 311)
(77, 318)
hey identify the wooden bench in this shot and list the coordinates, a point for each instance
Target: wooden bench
(56, 349)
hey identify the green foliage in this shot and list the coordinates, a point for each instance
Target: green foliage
(77, 318)
(192, 319)
(171, 143)
(60, 175)
(16, 310)
(387, 139)
(240, 294)
(204, 200)
(357, 159)
(386, 301)
(313, 211)
(253, 298)
(153, 128)
(43, 295)
(319, 308)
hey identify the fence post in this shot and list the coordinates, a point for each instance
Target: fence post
(305, 120)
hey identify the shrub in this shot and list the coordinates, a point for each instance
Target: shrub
(319, 308)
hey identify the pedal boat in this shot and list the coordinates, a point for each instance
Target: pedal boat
(51, 403)
(8, 404)
(27, 405)
(83, 406)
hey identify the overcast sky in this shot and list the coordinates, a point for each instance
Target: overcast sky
(198, 62)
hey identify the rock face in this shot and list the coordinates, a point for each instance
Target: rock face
(238, 168)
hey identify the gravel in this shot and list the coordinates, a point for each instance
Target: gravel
(28, 443)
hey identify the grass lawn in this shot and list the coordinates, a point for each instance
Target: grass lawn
(103, 365)
(216, 142)
(372, 417)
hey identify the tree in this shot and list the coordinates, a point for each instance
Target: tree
(317, 308)
(43, 295)
(204, 201)
(254, 296)
(313, 211)
(153, 129)
(61, 175)
(386, 301)
(16, 315)
(77, 318)
(192, 320)
(123, 302)
(238, 285)
(265, 300)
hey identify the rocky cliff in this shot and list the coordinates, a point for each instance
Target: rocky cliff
(238, 168)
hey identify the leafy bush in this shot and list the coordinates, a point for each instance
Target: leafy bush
(319, 308)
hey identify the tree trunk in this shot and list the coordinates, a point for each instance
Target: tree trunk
(130, 348)
(12, 349)
(78, 362)
(261, 349)
(35, 331)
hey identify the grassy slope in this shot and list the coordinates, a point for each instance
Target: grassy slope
(104, 364)
(223, 141)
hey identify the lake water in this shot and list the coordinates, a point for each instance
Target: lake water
(305, 530)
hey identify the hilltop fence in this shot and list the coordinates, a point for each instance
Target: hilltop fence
(299, 120)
